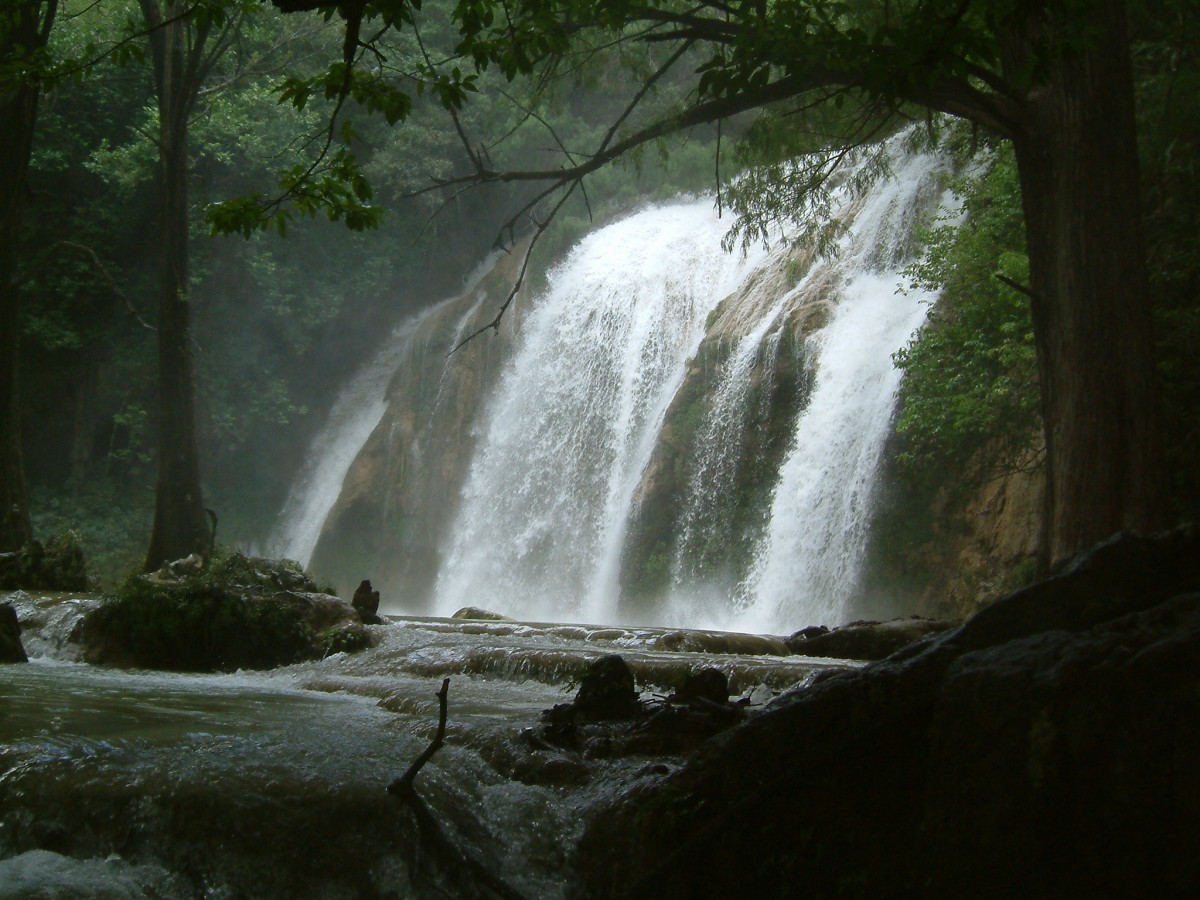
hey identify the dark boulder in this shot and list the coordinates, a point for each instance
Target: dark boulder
(366, 603)
(11, 648)
(706, 685)
(607, 691)
(865, 640)
(57, 565)
(1044, 748)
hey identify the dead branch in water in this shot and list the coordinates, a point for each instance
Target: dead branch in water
(428, 825)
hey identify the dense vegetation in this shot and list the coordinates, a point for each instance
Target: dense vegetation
(282, 311)
(279, 317)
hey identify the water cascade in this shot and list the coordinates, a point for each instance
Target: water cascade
(675, 435)
(577, 415)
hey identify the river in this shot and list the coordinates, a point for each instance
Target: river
(272, 784)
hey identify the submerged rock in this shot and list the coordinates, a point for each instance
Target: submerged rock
(484, 615)
(1044, 748)
(11, 649)
(720, 642)
(865, 640)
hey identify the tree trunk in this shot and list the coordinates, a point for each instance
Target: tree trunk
(180, 525)
(1077, 157)
(25, 32)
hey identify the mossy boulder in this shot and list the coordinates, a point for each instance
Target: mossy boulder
(240, 613)
(57, 565)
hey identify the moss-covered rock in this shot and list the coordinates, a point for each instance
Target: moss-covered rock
(240, 613)
(57, 565)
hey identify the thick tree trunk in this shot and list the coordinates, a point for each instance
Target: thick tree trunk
(25, 32)
(180, 525)
(1077, 157)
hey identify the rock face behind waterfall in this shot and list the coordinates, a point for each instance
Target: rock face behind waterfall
(1045, 748)
(402, 488)
(719, 537)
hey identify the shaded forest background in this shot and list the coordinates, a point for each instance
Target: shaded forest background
(281, 321)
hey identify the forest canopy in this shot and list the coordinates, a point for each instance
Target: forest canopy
(478, 119)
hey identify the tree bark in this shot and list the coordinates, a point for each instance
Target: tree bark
(1077, 157)
(25, 33)
(180, 525)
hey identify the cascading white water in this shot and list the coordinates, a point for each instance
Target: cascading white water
(807, 567)
(354, 415)
(576, 416)
(645, 454)
(560, 457)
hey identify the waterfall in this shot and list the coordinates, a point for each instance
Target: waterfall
(807, 566)
(542, 523)
(677, 435)
(354, 415)
(565, 455)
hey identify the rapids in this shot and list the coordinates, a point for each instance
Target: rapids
(271, 784)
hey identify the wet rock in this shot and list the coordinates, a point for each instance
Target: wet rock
(11, 649)
(720, 642)
(235, 614)
(474, 612)
(174, 572)
(865, 640)
(1044, 748)
(707, 685)
(366, 603)
(607, 691)
(351, 637)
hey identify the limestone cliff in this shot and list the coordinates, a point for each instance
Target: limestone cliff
(402, 489)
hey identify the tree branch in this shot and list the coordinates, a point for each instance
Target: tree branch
(31, 273)
(403, 786)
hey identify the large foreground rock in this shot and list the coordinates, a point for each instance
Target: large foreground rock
(1048, 748)
(242, 613)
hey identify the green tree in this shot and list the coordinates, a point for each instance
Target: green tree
(1051, 76)
(185, 44)
(24, 30)
(970, 392)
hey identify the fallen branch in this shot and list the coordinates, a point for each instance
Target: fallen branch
(429, 827)
(403, 786)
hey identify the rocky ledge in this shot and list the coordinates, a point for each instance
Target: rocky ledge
(241, 613)
(1047, 747)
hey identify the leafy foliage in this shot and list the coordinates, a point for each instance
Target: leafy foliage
(971, 374)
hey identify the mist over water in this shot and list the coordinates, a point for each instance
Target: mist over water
(650, 334)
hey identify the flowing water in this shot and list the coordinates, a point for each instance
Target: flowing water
(605, 479)
(569, 438)
(616, 468)
(141, 784)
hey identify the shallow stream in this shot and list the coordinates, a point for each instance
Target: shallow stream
(272, 784)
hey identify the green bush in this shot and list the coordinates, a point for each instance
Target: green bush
(970, 375)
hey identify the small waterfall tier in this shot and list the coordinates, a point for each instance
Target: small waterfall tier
(674, 435)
